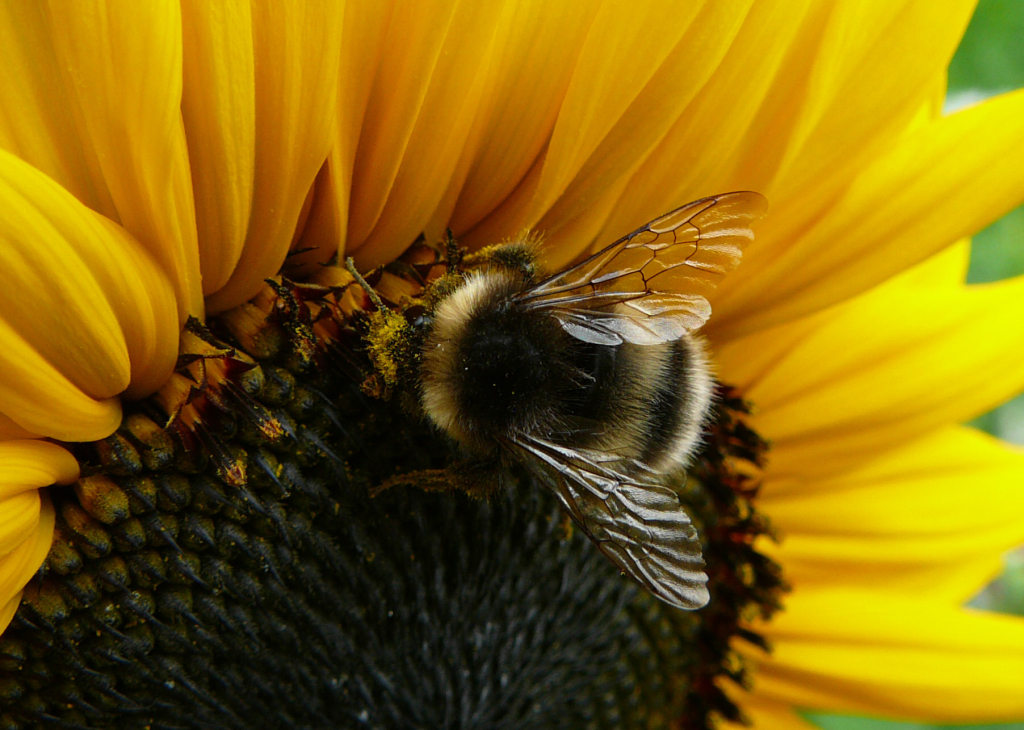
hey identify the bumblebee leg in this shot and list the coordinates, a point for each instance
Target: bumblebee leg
(478, 478)
(565, 525)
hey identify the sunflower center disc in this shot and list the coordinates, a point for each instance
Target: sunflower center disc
(231, 571)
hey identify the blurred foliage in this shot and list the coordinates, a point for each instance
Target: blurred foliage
(997, 252)
(990, 61)
(991, 56)
(848, 722)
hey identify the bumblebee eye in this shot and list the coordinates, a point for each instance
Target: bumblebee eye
(420, 319)
(519, 257)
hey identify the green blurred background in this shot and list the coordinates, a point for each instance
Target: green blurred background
(990, 61)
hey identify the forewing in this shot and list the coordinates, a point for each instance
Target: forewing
(652, 285)
(638, 524)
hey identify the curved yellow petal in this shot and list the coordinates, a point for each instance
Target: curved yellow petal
(562, 247)
(829, 400)
(11, 431)
(8, 610)
(610, 120)
(24, 467)
(364, 40)
(743, 365)
(218, 106)
(144, 304)
(852, 69)
(21, 563)
(699, 151)
(439, 146)
(800, 139)
(321, 238)
(63, 315)
(804, 145)
(40, 399)
(764, 713)
(531, 74)
(33, 463)
(929, 518)
(121, 65)
(19, 515)
(100, 311)
(937, 184)
(297, 48)
(894, 656)
(38, 123)
(698, 57)
(618, 50)
(413, 41)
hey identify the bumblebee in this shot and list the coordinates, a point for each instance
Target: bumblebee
(593, 378)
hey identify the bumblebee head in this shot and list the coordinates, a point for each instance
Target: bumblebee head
(519, 257)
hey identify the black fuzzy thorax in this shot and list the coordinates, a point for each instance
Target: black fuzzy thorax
(515, 370)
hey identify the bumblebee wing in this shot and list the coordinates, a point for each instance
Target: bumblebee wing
(652, 285)
(639, 525)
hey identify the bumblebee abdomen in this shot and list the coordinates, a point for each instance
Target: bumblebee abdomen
(644, 402)
(678, 404)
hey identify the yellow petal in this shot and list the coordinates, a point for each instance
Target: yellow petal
(18, 566)
(19, 515)
(698, 153)
(297, 52)
(363, 43)
(618, 51)
(11, 431)
(937, 184)
(83, 309)
(561, 248)
(24, 467)
(762, 350)
(531, 74)
(439, 145)
(32, 463)
(764, 713)
(414, 38)
(893, 656)
(882, 369)
(39, 123)
(121, 66)
(930, 518)
(143, 301)
(64, 316)
(8, 610)
(39, 399)
(796, 141)
(611, 119)
(852, 69)
(218, 106)
(322, 238)
(96, 295)
(697, 58)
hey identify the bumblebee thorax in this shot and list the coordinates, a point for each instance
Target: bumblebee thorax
(490, 367)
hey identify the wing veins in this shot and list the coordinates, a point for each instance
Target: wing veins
(712, 232)
(640, 526)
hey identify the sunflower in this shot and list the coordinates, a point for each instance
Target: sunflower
(184, 531)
